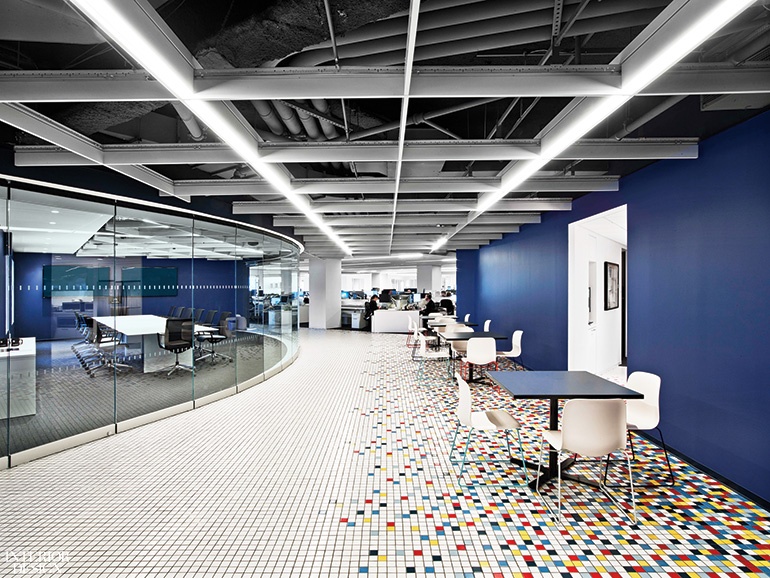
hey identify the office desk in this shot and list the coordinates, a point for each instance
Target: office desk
(18, 365)
(554, 386)
(392, 320)
(148, 327)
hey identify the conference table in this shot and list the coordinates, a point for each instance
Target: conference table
(555, 386)
(148, 327)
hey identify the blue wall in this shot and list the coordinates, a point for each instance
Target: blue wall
(220, 285)
(698, 280)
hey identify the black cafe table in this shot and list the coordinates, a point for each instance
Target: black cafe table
(450, 337)
(554, 386)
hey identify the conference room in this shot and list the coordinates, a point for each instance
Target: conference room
(96, 287)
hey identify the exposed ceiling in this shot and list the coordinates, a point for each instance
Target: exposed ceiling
(393, 123)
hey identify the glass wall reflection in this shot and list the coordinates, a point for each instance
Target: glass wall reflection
(113, 312)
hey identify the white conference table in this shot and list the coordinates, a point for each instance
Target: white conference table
(148, 327)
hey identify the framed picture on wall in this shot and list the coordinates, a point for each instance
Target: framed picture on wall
(611, 286)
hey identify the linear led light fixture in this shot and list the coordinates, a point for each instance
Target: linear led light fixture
(634, 80)
(171, 71)
(400, 256)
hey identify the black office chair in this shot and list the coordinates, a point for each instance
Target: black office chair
(211, 337)
(97, 352)
(209, 319)
(198, 315)
(171, 311)
(178, 311)
(177, 339)
(222, 322)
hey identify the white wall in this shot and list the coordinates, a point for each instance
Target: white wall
(594, 347)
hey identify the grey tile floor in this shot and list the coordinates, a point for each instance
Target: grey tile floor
(338, 466)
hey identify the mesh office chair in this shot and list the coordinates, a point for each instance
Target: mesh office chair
(198, 314)
(209, 319)
(177, 339)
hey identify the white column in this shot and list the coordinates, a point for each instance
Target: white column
(428, 278)
(325, 288)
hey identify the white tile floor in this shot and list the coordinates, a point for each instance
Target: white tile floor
(335, 467)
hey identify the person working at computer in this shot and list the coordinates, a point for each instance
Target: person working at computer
(447, 303)
(369, 308)
(430, 305)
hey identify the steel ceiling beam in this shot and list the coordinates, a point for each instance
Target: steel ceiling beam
(307, 233)
(360, 151)
(362, 222)
(404, 206)
(356, 187)
(583, 114)
(357, 82)
(34, 123)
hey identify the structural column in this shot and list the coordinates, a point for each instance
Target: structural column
(325, 289)
(428, 278)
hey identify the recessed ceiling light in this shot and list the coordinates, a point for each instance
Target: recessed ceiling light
(55, 211)
(51, 222)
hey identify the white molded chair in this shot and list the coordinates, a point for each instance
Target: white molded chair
(431, 340)
(459, 348)
(481, 353)
(515, 347)
(430, 355)
(413, 328)
(467, 318)
(487, 323)
(489, 420)
(591, 428)
(644, 415)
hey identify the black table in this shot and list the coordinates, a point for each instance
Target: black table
(449, 337)
(553, 386)
(467, 336)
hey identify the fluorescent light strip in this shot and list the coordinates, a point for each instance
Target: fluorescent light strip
(601, 108)
(180, 84)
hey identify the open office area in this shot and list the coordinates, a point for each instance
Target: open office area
(198, 201)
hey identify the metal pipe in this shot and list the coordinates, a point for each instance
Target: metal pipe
(266, 112)
(309, 122)
(189, 120)
(648, 116)
(329, 129)
(289, 117)
(442, 129)
(493, 32)
(418, 118)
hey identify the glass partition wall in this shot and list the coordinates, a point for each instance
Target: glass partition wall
(116, 313)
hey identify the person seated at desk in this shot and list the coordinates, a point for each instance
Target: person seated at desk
(430, 305)
(369, 308)
(447, 303)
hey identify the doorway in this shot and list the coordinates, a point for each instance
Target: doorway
(598, 247)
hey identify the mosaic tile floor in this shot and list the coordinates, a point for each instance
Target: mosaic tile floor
(339, 466)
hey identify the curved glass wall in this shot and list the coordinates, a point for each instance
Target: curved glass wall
(117, 313)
